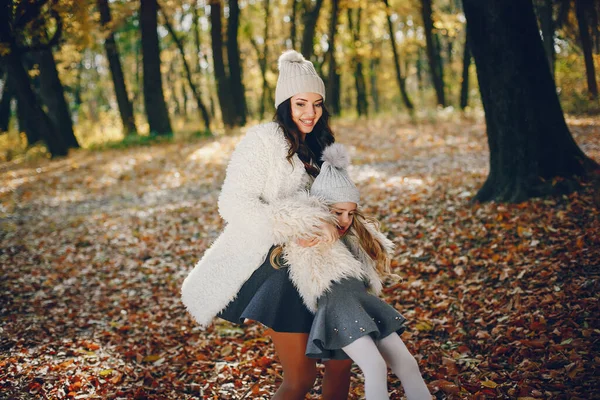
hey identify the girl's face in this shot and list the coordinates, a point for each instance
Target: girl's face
(344, 213)
(307, 108)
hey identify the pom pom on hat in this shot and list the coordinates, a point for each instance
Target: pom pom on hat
(296, 75)
(333, 184)
(289, 56)
(336, 155)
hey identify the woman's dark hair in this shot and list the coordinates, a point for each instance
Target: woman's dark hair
(311, 149)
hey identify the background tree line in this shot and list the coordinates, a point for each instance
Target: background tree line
(72, 66)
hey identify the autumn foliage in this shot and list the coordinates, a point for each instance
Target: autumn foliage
(502, 299)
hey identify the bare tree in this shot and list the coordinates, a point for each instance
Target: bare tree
(116, 70)
(154, 99)
(188, 73)
(309, 21)
(433, 52)
(400, 77)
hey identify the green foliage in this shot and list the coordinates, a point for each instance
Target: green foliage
(571, 85)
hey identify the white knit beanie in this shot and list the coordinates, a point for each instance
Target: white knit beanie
(296, 75)
(333, 184)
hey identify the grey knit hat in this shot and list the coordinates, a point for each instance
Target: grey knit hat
(296, 75)
(333, 184)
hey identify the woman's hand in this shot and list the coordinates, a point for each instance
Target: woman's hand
(328, 234)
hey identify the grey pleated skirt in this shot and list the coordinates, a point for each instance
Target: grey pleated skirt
(346, 313)
(270, 298)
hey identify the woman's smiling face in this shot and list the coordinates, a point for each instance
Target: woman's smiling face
(307, 108)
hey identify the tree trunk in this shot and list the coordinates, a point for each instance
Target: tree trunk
(223, 89)
(53, 96)
(333, 90)
(116, 70)
(197, 42)
(39, 124)
(373, 72)
(5, 102)
(464, 83)
(309, 20)
(547, 27)
(154, 99)
(294, 18)
(362, 107)
(581, 10)
(532, 152)
(188, 74)
(400, 78)
(433, 52)
(235, 66)
(262, 55)
(595, 25)
(419, 68)
(77, 100)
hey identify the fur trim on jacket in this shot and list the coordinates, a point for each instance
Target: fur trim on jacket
(313, 270)
(263, 201)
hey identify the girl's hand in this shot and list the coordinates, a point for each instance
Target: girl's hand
(308, 242)
(328, 234)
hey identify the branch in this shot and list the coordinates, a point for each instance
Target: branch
(30, 11)
(51, 42)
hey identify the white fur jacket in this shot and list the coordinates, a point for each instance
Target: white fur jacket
(262, 204)
(313, 270)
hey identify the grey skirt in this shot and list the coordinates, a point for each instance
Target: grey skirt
(346, 313)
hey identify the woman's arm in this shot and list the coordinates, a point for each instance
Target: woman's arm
(240, 201)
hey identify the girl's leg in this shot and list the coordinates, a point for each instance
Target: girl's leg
(336, 380)
(404, 366)
(366, 355)
(299, 371)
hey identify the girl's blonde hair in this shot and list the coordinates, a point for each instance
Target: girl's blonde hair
(369, 243)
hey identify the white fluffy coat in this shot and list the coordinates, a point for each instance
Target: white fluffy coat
(263, 202)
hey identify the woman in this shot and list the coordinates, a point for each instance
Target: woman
(259, 202)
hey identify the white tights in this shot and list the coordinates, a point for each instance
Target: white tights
(373, 357)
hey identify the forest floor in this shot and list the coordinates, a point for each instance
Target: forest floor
(502, 299)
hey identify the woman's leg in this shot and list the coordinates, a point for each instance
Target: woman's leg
(299, 371)
(404, 366)
(365, 353)
(336, 380)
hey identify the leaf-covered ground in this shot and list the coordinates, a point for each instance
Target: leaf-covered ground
(502, 299)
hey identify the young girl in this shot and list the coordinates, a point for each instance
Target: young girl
(340, 281)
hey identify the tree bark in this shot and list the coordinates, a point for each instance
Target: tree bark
(235, 66)
(464, 83)
(309, 20)
(262, 54)
(197, 42)
(547, 27)
(223, 89)
(532, 152)
(116, 71)
(433, 52)
(188, 73)
(154, 99)
(39, 124)
(5, 102)
(373, 71)
(362, 106)
(582, 12)
(53, 96)
(293, 25)
(333, 89)
(400, 78)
